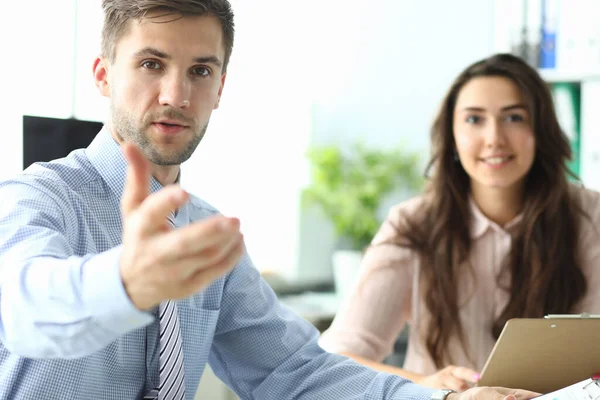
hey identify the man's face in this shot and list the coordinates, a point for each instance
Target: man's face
(164, 83)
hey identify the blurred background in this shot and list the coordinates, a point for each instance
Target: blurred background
(325, 117)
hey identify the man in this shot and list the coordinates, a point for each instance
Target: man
(97, 303)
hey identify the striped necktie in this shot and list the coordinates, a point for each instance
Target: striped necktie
(171, 382)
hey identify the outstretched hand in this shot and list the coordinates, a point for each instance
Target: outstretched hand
(159, 262)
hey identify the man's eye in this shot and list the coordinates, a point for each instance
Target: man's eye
(151, 65)
(201, 71)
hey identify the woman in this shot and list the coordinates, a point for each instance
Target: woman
(499, 233)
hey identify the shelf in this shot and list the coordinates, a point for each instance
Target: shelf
(552, 75)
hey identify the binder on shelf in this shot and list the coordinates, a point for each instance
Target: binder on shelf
(549, 11)
(570, 53)
(567, 97)
(532, 31)
(589, 34)
(590, 134)
(509, 26)
(557, 36)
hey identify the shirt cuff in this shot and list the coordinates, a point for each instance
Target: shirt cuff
(419, 392)
(104, 295)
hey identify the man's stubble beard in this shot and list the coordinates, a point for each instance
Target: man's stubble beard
(125, 127)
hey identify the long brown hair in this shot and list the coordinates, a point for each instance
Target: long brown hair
(543, 266)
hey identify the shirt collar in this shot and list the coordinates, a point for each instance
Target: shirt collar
(107, 158)
(480, 223)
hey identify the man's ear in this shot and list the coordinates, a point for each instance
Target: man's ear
(101, 75)
(220, 92)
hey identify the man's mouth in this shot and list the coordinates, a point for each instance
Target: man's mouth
(170, 123)
(170, 127)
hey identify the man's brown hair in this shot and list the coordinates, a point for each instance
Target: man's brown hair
(118, 15)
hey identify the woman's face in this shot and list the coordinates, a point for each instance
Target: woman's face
(493, 133)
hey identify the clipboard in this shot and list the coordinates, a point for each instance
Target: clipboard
(544, 354)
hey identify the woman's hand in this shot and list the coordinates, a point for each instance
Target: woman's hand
(451, 377)
(493, 393)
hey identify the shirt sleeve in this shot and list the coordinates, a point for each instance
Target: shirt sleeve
(371, 318)
(262, 350)
(53, 303)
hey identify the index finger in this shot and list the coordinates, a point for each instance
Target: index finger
(137, 182)
(199, 236)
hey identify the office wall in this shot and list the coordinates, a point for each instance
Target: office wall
(326, 71)
(47, 71)
(311, 72)
(321, 71)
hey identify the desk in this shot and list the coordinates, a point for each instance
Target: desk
(317, 308)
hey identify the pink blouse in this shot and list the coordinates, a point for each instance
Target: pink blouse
(370, 320)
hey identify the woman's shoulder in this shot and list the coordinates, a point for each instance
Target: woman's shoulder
(588, 202)
(398, 216)
(408, 208)
(587, 199)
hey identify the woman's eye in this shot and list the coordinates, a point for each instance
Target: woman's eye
(515, 118)
(473, 119)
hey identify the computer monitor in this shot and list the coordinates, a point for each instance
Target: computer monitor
(46, 139)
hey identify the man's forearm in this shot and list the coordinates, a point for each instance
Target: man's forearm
(65, 308)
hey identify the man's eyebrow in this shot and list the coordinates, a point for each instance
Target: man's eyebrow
(209, 60)
(151, 51)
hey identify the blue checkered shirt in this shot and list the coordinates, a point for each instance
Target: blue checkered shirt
(69, 331)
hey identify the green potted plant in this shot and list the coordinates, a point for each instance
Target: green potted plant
(349, 186)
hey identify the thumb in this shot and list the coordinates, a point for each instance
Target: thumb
(137, 182)
(510, 397)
